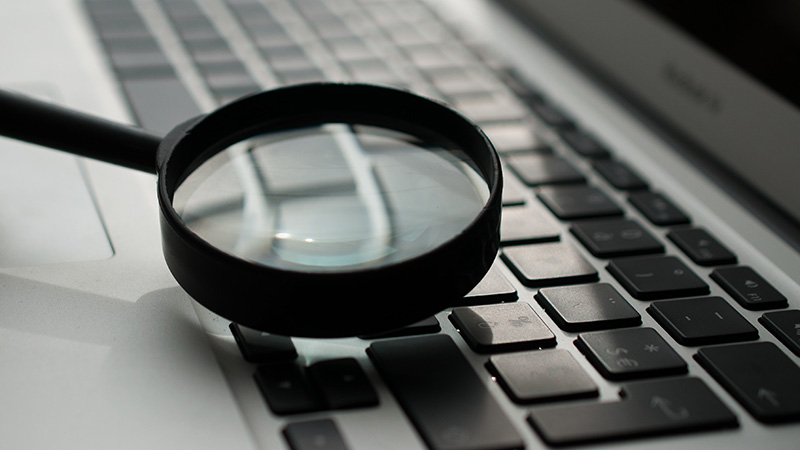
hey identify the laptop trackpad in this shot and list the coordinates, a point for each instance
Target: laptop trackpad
(47, 212)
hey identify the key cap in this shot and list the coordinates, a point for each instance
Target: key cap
(258, 347)
(785, 325)
(701, 247)
(749, 289)
(514, 137)
(286, 389)
(611, 238)
(619, 175)
(541, 376)
(658, 209)
(656, 277)
(759, 375)
(702, 321)
(427, 326)
(505, 327)
(524, 225)
(148, 97)
(493, 288)
(587, 307)
(630, 353)
(578, 202)
(584, 144)
(648, 408)
(320, 434)
(551, 115)
(537, 169)
(342, 384)
(551, 264)
(443, 397)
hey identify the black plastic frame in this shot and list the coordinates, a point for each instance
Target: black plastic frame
(314, 304)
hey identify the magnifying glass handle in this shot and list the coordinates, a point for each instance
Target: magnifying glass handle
(50, 125)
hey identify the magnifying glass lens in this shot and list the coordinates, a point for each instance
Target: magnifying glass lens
(332, 198)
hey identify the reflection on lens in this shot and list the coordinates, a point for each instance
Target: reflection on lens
(332, 198)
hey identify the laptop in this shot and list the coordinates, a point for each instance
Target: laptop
(646, 291)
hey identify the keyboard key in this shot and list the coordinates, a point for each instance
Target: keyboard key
(493, 288)
(541, 376)
(427, 326)
(619, 175)
(701, 247)
(148, 98)
(578, 202)
(536, 169)
(258, 347)
(658, 209)
(587, 307)
(584, 144)
(320, 434)
(759, 375)
(611, 238)
(749, 289)
(514, 137)
(441, 394)
(630, 353)
(657, 277)
(785, 325)
(702, 321)
(648, 408)
(524, 225)
(342, 384)
(504, 327)
(550, 264)
(551, 115)
(286, 389)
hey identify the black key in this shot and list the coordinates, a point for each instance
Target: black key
(749, 289)
(619, 175)
(541, 376)
(320, 434)
(258, 347)
(655, 277)
(759, 375)
(286, 389)
(785, 325)
(648, 408)
(551, 115)
(493, 288)
(342, 384)
(630, 353)
(441, 394)
(658, 209)
(701, 247)
(611, 238)
(584, 144)
(523, 225)
(578, 202)
(551, 264)
(587, 307)
(505, 327)
(537, 169)
(426, 326)
(702, 321)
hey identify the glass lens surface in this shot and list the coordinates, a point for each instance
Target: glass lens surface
(332, 198)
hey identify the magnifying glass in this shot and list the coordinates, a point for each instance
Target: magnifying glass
(317, 210)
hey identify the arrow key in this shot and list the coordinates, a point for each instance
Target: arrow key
(759, 375)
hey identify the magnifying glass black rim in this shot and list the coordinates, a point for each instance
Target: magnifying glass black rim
(313, 303)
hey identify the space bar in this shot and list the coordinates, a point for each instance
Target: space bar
(442, 395)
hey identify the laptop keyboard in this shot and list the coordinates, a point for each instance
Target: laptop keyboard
(590, 248)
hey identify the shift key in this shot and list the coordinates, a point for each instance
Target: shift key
(442, 395)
